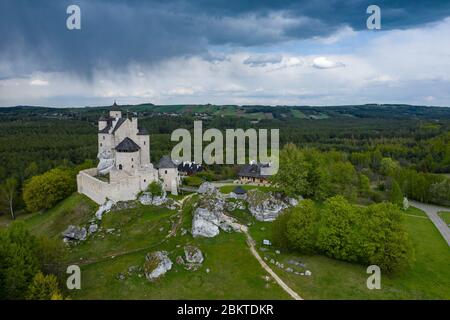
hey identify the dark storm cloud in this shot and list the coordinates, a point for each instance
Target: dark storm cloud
(33, 36)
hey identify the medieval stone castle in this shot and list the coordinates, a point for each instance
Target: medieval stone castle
(124, 167)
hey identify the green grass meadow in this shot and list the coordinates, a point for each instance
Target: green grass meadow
(233, 272)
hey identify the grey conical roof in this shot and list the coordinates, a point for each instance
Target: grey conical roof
(166, 162)
(127, 145)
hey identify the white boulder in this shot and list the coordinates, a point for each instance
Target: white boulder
(156, 264)
(207, 188)
(193, 255)
(205, 223)
(93, 228)
(106, 207)
(75, 233)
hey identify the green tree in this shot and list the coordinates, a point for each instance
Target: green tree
(31, 170)
(193, 181)
(44, 191)
(279, 231)
(388, 167)
(384, 241)
(18, 262)
(43, 287)
(302, 227)
(338, 229)
(293, 172)
(395, 194)
(343, 179)
(8, 192)
(155, 188)
(364, 184)
(318, 176)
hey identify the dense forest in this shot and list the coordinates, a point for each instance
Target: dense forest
(34, 140)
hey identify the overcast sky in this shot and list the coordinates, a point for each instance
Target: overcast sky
(224, 52)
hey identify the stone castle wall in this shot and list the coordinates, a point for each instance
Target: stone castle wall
(99, 191)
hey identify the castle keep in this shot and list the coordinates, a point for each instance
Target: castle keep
(124, 167)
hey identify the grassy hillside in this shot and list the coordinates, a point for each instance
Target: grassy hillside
(233, 272)
(428, 278)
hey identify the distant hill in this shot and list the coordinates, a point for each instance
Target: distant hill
(252, 112)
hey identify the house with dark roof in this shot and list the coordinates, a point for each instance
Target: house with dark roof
(124, 158)
(254, 172)
(188, 168)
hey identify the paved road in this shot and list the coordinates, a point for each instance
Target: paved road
(431, 210)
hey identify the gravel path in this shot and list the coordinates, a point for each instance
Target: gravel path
(432, 212)
(278, 280)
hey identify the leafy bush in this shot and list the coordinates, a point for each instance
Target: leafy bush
(338, 229)
(279, 234)
(301, 228)
(395, 194)
(193, 181)
(384, 241)
(367, 235)
(44, 287)
(207, 175)
(155, 188)
(44, 191)
(22, 257)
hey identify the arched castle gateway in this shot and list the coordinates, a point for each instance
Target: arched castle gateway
(124, 169)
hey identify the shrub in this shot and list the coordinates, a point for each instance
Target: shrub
(384, 240)
(338, 229)
(155, 188)
(44, 287)
(279, 231)
(193, 181)
(18, 263)
(44, 191)
(371, 235)
(395, 194)
(301, 227)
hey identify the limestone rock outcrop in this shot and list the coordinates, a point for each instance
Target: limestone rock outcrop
(207, 188)
(148, 199)
(209, 216)
(156, 264)
(266, 206)
(205, 223)
(106, 207)
(74, 233)
(193, 254)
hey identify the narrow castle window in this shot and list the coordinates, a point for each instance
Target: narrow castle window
(101, 144)
(103, 137)
(120, 167)
(165, 171)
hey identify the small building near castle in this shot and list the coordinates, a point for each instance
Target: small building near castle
(124, 167)
(258, 173)
(168, 172)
